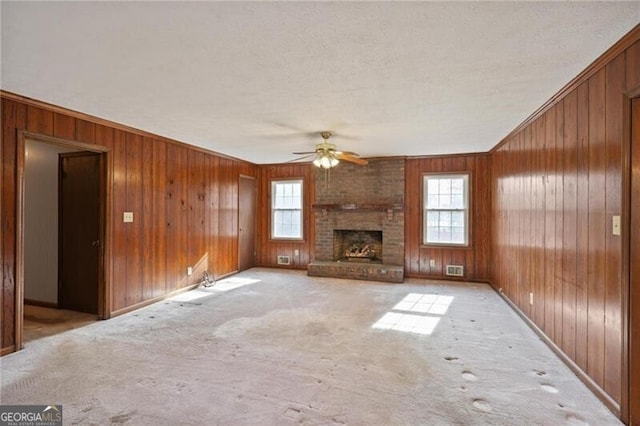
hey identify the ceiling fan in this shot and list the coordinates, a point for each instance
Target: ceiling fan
(326, 156)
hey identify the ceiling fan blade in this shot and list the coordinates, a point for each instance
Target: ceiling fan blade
(309, 156)
(303, 153)
(351, 158)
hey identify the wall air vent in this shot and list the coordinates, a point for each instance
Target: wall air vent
(455, 270)
(284, 260)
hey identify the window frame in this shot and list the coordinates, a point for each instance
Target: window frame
(467, 210)
(272, 209)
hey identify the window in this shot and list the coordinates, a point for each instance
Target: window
(446, 209)
(286, 209)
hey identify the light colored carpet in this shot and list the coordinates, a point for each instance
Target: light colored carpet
(272, 347)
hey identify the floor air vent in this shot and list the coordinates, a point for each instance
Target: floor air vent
(284, 260)
(455, 270)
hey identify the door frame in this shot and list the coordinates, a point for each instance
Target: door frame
(104, 290)
(626, 261)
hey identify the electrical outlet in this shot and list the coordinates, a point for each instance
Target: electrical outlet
(296, 252)
(127, 217)
(432, 263)
(531, 298)
(189, 270)
(615, 225)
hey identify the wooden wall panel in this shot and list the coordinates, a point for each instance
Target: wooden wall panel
(224, 225)
(633, 66)
(550, 179)
(158, 226)
(597, 228)
(569, 238)
(104, 137)
(39, 120)
(172, 189)
(582, 226)
(119, 228)
(538, 239)
(214, 220)
(268, 250)
(556, 186)
(133, 204)
(614, 104)
(197, 185)
(14, 116)
(558, 264)
(146, 219)
(417, 255)
(64, 126)
(85, 131)
(175, 202)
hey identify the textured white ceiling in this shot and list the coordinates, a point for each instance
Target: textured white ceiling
(258, 80)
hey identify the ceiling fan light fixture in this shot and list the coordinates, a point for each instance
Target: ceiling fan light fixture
(326, 161)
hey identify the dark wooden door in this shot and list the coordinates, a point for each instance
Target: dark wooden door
(80, 245)
(247, 195)
(634, 265)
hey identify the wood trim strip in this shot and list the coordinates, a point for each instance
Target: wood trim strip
(62, 142)
(144, 303)
(623, 44)
(444, 156)
(592, 385)
(104, 122)
(633, 93)
(7, 350)
(105, 304)
(19, 268)
(626, 250)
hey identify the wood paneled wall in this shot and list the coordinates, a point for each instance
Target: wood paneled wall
(556, 184)
(268, 249)
(184, 202)
(475, 257)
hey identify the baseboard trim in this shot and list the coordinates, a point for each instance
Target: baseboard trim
(164, 296)
(8, 350)
(446, 278)
(32, 302)
(152, 301)
(609, 402)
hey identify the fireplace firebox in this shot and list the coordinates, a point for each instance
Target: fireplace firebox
(357, 245)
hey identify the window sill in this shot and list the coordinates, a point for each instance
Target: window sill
(287, 240)
(447, 246)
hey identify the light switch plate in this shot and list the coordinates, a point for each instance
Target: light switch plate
(615, 225)
(127, 217)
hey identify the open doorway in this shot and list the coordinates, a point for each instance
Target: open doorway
(62, 203)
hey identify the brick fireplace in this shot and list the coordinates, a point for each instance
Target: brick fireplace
(365, 206)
